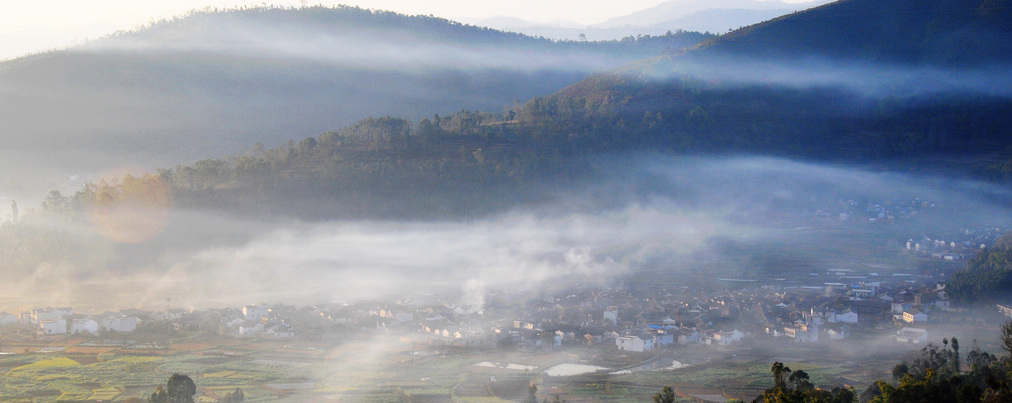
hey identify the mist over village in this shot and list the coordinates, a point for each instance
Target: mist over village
(683, 201)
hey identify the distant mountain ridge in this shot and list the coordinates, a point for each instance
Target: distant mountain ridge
(688, 15)
(676, 9)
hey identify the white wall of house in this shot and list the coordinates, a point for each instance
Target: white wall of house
(57, 326)
(633, 343)
(86, 325)
(120, 323)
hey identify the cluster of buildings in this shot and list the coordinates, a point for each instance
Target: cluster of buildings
(961, 245)
(885, 211)
(259, 320)
(55, 321)
(830, 307)
(824, 307)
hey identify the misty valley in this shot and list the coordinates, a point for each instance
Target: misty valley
(323, 203)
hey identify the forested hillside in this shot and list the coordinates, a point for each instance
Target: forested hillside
(987, 278)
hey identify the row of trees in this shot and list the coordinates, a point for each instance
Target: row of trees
(796, 387)
(937, 375)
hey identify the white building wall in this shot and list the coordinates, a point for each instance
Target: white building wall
(255, 312)
(83, 326)
(630, 343)
(58, 326)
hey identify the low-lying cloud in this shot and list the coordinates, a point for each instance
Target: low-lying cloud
(637, 212)
(860, 77)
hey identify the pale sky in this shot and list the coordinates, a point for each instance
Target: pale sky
(36, 25)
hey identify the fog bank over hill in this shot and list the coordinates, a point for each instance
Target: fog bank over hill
(659, 215)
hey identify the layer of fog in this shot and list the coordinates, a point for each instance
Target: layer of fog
(860, 77)
(645, 213)
(382, 48)
(682, 8)
(709, 20)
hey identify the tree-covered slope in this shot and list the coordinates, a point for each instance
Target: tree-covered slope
(987, 277)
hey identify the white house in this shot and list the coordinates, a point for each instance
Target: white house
(633, 343)
(912, 335)
(54, 326)
(724, 338)
(121, 323)
(250, 328)
(44, 314)
(85, 325)
(255, 312)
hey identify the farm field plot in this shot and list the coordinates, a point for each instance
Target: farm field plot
(115, 374)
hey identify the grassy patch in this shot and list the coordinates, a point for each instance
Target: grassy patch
(44, 365)
(219, 374)
(105, 394)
